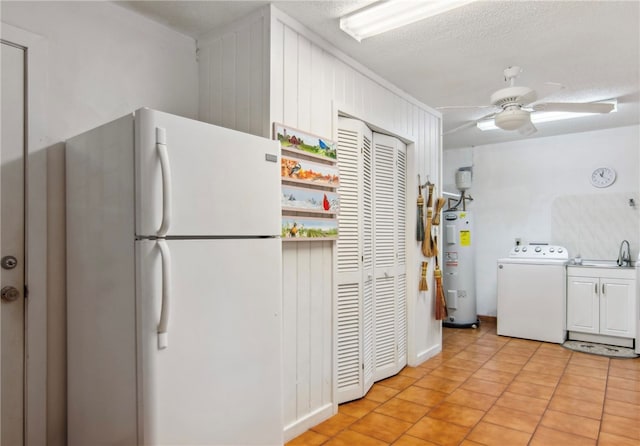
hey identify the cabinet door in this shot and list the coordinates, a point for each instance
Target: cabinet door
(617, 307)
(582, 304)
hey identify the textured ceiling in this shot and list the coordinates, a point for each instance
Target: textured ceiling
(457, 58)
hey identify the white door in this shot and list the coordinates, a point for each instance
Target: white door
(203, 182)
(617, 307)
(389, 229)
(354, 307)
(371, 255)
(583, 304)
(368, 253)
(218, 381)
(12, 246)
(401, 254)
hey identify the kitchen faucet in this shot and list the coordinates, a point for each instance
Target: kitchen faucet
(624, 257)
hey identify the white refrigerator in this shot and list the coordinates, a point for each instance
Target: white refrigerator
(173, 285)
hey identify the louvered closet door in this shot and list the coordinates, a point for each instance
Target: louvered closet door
(371, 316)
(354, 312)
(366, 231)
(401, 255)
(389, 198)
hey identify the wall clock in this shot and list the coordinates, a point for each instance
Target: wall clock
(603, 177)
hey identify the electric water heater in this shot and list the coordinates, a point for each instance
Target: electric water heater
(458, 273)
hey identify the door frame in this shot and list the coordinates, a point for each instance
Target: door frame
(35, 418)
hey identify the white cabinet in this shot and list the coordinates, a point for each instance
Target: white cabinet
(618, 307)
(583, 304)
(601, 301)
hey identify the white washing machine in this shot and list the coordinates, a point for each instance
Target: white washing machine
(638, 306)
(532, 293)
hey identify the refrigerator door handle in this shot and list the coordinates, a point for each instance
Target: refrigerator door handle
(165, 167)
(163, 335)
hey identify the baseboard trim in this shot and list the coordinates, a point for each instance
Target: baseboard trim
(426, 354)
(305, 423)
(491, 319)
(601, 339)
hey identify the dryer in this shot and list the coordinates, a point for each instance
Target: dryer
(532, 293)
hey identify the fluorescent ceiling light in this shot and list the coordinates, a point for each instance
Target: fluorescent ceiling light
(391, 14)
(540, 117)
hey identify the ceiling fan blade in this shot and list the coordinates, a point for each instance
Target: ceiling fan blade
(548, 89)
(594, 107)
(527, 129)
(467, 124)
(460, 127)
(463, 107)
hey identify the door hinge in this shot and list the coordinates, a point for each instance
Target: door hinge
(26, 292)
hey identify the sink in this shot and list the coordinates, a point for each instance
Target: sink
(601, 264)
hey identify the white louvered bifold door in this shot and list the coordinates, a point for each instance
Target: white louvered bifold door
(401, 255)
(371, 317)
(366, 231)
(351, 315)
(388, 213)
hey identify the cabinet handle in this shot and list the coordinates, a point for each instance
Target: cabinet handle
(603, 288)
(595, 288)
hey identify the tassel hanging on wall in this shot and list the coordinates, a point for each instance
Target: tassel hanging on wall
(427, 243)
(423, 278)
(440, 202)
(420, 221)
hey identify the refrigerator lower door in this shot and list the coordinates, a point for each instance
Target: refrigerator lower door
(218, 380)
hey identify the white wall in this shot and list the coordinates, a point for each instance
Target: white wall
(308, 82)
(103, 62)
(539, 190)
(311, 82)
(233, 64)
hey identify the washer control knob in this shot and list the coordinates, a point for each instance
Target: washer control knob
(551, 250)
(524, 249)
(560, 250)
(538, 249)
(517, 249)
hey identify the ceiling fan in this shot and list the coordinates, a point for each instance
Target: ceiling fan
(514, 104)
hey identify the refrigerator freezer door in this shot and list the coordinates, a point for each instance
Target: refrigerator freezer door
(197, 179)
(218, 381)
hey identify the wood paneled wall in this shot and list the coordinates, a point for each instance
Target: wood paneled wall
(268, 68)
(233, 73)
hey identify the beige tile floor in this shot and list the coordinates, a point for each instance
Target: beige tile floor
(485, 389)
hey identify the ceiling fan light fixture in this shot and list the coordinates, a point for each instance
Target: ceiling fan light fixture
(539, 117)
(512, 118)
(386, 15)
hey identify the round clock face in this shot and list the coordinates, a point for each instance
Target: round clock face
(603, 177)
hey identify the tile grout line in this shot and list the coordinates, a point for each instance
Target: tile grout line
(471, 429)
(484, 340)
(555, 389)
(604, 400)
(505, 389)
